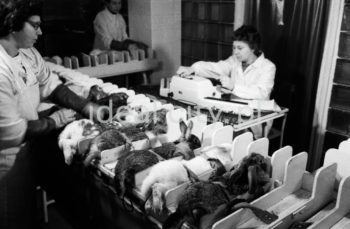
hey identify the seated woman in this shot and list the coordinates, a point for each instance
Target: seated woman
(246, 74)
(110, 29)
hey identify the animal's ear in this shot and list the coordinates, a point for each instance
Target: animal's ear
(189, 130)
(183, 129)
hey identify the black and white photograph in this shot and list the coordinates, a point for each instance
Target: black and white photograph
(174, 114)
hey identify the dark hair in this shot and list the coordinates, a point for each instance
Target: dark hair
(248, 34)
(14, 13)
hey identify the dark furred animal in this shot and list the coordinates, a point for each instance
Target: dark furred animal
(112, 136)
(155, 121)
(247, 181)
(108, 139)
(251, 176)
(130, 164)
(98, 96)
(184, 147)
(133, 133)
(168, 174)
(198, 199)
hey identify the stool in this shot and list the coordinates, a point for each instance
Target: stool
(45, 203)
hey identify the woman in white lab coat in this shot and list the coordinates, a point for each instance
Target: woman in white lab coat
(246, 74)
(110, 30)
(25, 80)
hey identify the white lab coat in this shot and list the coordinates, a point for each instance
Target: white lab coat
(20, 98)
(23, 83)
(108, 27)
(256, 82)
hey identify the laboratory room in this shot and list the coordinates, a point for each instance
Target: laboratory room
(164, 114)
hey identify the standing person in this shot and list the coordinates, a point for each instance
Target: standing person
(246, 74)
(25, 80)
(110, 29)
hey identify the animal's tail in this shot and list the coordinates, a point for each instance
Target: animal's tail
(174, 221)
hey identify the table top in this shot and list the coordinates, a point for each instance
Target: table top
(238, 122)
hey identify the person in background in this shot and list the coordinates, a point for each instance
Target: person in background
(25, 80)
(110, 30)
(246, 74)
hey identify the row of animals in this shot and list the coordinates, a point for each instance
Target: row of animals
(99, 58)
(300, 195)
(158, 183)
(168, 174)
(300, 199)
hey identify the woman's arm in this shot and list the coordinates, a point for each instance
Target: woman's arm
(213, 69)
(12, 126)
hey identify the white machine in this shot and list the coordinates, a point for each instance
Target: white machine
(196, 90)
(191, 89)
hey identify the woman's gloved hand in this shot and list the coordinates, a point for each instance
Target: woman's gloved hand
(184, 71)
(141, 45)
(135, 45)
(62, 117)
(95, 112)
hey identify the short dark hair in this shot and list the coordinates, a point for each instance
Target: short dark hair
(14, 13)
(250, 35)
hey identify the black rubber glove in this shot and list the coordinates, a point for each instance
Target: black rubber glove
(96, 113)
(141, 45)
(40, 127)
(64, 97)
(124, 45)
(119, 45)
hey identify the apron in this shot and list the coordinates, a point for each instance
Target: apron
(17, 176)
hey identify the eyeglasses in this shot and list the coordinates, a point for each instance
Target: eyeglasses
(35, 25)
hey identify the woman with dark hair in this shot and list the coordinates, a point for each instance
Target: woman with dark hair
(25, 80)
(246, 74)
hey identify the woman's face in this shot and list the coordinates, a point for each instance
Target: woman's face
(242, 51)
(114, 6)
(28, 35)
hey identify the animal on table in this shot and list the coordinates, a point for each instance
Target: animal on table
(170, 173)
(249, 180)
(136, 161)
(167, 175)
(72, 134)
(97, 95)
(108, 139)
(184, 147)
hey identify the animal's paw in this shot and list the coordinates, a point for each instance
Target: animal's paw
(157, 197)
(68, 153)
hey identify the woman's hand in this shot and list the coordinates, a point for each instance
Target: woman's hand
(184, 71)
(63, 116)
(226, 82)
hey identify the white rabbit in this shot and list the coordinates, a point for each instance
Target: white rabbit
(70, 136)
(162, 177)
